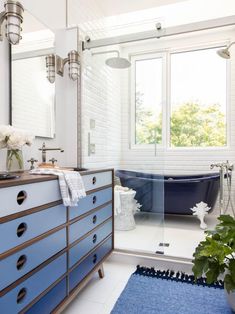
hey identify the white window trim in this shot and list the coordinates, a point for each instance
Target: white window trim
(166, 109)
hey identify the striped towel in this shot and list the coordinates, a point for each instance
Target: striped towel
(71, 185)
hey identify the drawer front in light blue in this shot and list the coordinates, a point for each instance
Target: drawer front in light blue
(81, 227)
(83, 247)
(22, 229)
(18, 298)
(15, 266)
(50, 301)
(76, 276)
(97, 180)
(89, 202)
(37, 194)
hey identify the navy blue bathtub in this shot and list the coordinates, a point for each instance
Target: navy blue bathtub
(174, 194)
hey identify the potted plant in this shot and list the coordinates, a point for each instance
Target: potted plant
(215, 256)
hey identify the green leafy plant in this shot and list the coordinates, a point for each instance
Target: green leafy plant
(216, 254)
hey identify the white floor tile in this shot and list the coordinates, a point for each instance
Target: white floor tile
(100, 295)
(81, 306)
(181, 232)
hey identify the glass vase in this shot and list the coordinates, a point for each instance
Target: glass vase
(14, 162)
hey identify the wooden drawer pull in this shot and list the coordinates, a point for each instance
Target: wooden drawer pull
(21, 229)
(21, 295)
(94, 219)
(94, 199)
(21, 262)
(94, 238)
(94, 180)
(94, 258)
(21, 197)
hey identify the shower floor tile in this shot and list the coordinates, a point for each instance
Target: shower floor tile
(181, 232)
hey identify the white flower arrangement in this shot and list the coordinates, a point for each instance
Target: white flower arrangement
(14, 139)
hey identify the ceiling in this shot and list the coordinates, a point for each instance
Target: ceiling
(114, 7)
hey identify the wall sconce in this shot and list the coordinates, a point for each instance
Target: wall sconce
(50, 65)
(13, 15)
(56, 64)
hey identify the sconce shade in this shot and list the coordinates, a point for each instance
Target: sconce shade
(14, 17)
(73, 65)
(50, 64)
(74, 71)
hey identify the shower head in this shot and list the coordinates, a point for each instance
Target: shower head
(224, 52)
(118, 63)
(115, 62)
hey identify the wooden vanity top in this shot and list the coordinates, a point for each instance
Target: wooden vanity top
(27, 178)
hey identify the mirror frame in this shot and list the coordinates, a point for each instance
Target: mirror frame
(10, 83)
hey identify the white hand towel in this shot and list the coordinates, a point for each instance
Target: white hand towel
(71, 184)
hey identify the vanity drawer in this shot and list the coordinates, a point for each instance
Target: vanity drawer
(83, 247)
(18, 298)
(97, 180)
(15, 266)
(22, 229)
(80, 272)
(81, 227)
(89, 202)
(36, 194)
(51, 300)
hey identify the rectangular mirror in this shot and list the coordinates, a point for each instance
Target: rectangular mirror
(32, 96)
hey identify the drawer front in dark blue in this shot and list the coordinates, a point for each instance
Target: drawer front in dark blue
(80, 272)
(89, 202)
(81, 227)
(15, 266)
(22, 229)
(83, 247)
(50, 301)
(18, 298)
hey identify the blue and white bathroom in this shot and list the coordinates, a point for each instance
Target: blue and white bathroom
(117, 156)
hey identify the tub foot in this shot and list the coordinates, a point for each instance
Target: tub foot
(201, 210)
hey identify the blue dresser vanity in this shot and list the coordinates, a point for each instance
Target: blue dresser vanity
(48, 252)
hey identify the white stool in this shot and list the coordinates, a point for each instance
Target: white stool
(124, 218)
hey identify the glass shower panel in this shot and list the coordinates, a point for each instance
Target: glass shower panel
(107, 142)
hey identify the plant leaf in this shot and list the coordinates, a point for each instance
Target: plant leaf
(229, 283)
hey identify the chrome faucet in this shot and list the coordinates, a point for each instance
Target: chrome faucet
(44, 149)
(224, 167)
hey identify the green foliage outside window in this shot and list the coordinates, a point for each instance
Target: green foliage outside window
(192, 125)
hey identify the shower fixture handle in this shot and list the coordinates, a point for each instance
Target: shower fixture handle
(224, 167)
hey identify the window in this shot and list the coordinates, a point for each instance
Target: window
(198, 99)
(196, 83)
(148, 100)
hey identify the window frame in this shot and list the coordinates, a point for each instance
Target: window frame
(166, 101)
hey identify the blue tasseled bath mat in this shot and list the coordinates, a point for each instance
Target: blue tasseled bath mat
(163, 292)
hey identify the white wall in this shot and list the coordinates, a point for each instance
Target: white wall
(52, 13)
(4, 88)
(101, 102)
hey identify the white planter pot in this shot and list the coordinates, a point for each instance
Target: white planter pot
(231, 299)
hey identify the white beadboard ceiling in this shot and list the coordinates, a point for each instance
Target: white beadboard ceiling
(114, 7)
